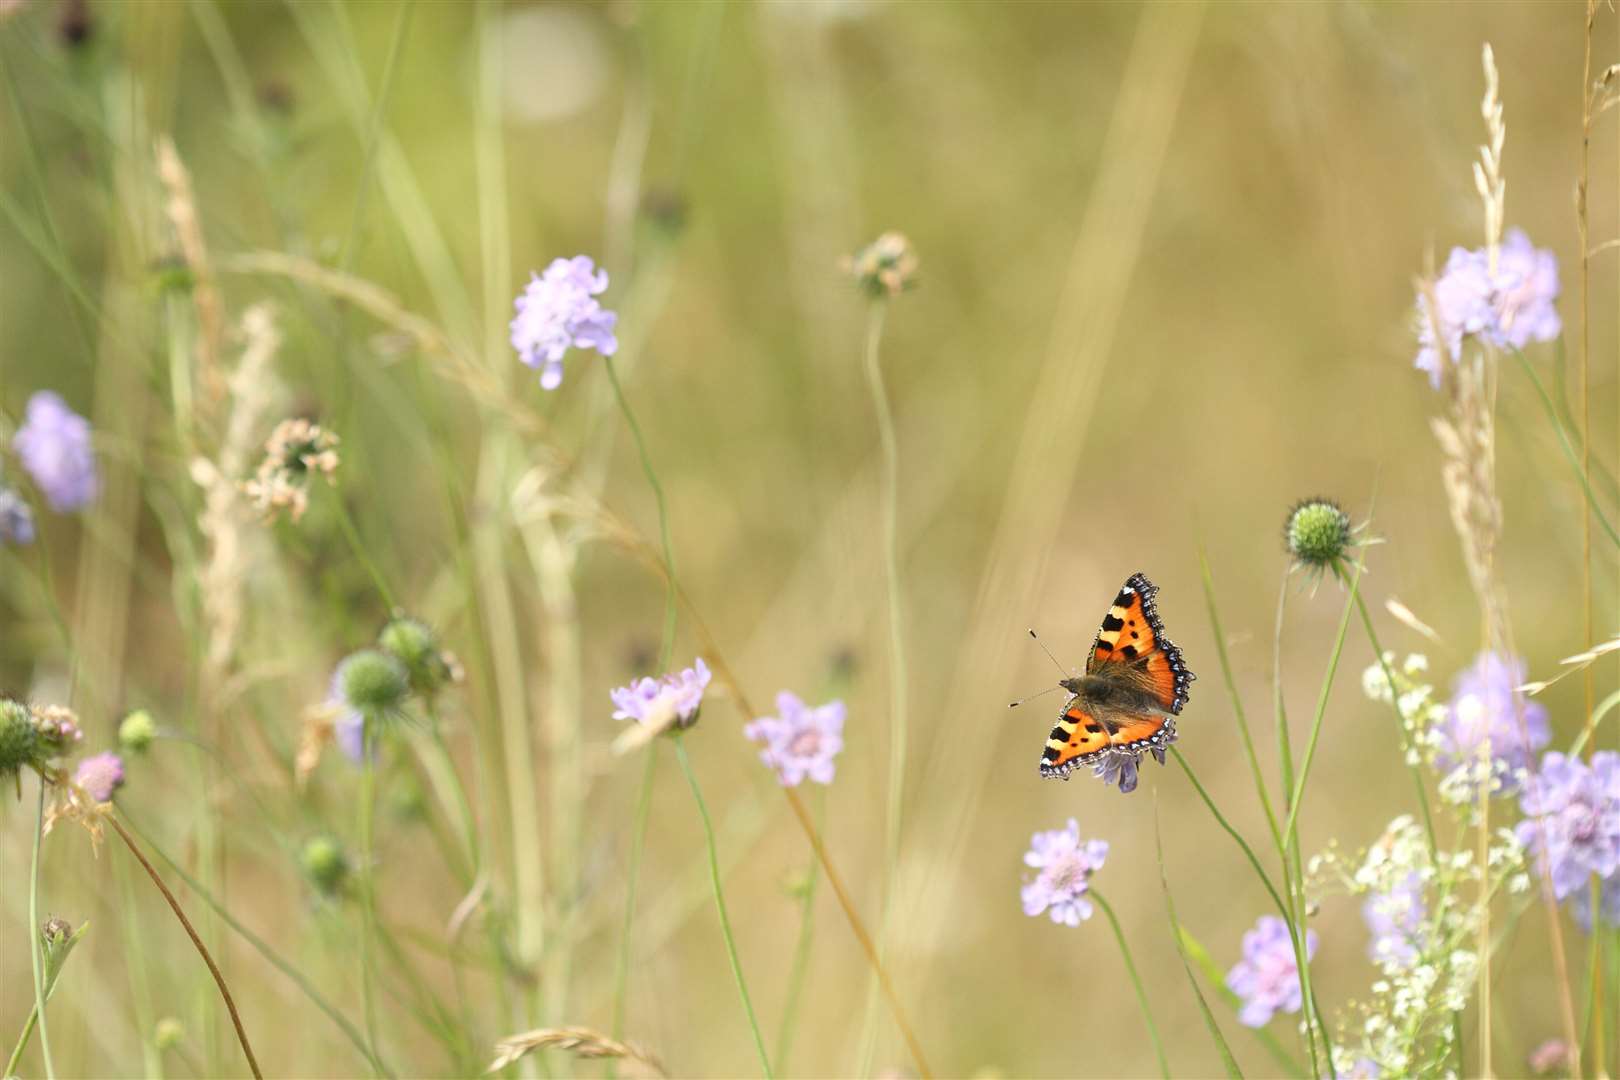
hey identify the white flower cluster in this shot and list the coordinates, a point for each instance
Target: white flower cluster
(1420, 711)
(1422, 909)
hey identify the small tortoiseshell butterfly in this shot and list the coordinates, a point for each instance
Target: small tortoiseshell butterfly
(1134, 687)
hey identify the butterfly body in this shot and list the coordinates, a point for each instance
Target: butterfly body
(1134, 687)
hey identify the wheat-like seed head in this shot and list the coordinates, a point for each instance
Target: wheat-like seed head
(581, 1042)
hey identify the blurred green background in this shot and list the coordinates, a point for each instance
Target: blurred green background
(1167, 271)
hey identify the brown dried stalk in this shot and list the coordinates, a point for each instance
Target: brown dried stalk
(213, 968)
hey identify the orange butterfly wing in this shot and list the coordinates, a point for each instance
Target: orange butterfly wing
(1078, 740)
(1131, 632)
(1142, 733)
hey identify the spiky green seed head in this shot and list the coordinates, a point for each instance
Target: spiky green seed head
(137, 731)
(373, 683)
(414, 644)
(325, 864)
(1318, 533)
(19, 739)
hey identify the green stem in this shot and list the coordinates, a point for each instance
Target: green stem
(638, 836)
(1237, 700)
(1405, 733)
(1291, 827)
(898, 678)
(666, 651)
(801, 952)
(346, 523)
(1285, 749)
(1570, 453)
(1136, 983)
(1248, 852)
(720, 903)
(667, 647)
(368, 871)
(36, 951)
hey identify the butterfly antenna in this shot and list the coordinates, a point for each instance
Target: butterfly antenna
(1032, 697)
(1048, 653)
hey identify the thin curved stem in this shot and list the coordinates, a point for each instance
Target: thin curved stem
(352, 535)
(36, 946)
(898, 679)
(191, 932)
(1136, 983)
(667, 646)
(267, 952)
(720, 903)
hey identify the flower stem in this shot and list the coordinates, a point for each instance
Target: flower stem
(368, 893)
(891, 562)
(720, 903)
(36, 948)
(666, 650)
(1136, 983)
(638, 836)
(801, 952)
(352, 535)
(202, 950)
(1404, 732)
(667, 646)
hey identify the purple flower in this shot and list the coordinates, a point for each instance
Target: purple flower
(1484, 706)
(1064, 866)
(16, 519)
(100, 775)
(1267, 978)
(1121, 766)
(802, 741)
(1462, 306)
(1572, 820)
(558, 311)
(1395, 919)
(1363, 1068)
(1526, 286)
(54, 444)
(1512, 307)
(671, 699)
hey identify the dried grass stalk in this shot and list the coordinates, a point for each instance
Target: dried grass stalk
(581, 1042)
(181, 209)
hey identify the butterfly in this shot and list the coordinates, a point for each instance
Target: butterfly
(1127, 701)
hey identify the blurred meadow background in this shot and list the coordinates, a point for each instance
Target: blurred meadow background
(1167, 257)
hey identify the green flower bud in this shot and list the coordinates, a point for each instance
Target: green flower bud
(373, 683)
(414, 644)
(137, 731)
(325, 864)
(19, 740)
(1318, 533)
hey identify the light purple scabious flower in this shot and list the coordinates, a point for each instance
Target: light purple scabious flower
(1484, 705)
(100, 775)
(1462, 306)
(646, 700)
(1064, 867)
(1267, 978)
(16, 519)
(802, 741)
(1526, 287)
(1395, 919)
(1512, 307)
(1572, 821)
(54, 445)
(558, 311)
(1121, 767)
